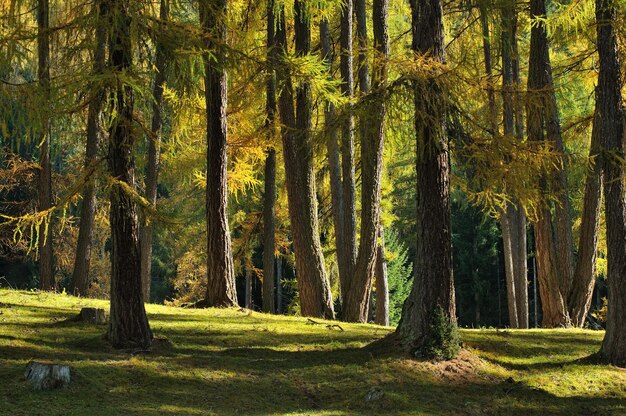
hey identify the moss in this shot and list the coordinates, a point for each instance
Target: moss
(443, 340)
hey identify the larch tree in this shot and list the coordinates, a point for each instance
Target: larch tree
(313, 285)
(221, 290)
(80, 275)
(382, 283)
(610, 125)
(430, 304)
(46, 259)
(154, 147)
(128, 323)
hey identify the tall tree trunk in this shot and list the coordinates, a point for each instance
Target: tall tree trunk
(313, 284)
(433, 287)
(343, 254)
(248, 293)
(46, 260)
(382, 283)
(269, 196)
(80, 275)
(154, 148)
(610, 114)
(128, 323)
(372, 146)
(221, 290)
(279, 284)
(509, 268)
(555, 272)
(581, 293)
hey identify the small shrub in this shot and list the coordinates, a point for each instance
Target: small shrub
(443, 341)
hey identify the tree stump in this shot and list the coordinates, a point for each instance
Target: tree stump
(92, 315)
(46, 376)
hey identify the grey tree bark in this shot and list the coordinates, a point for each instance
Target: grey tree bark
(80, 276)
(221, 290)
(382, 283)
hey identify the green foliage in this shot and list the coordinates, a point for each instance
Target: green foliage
(399, 275)
(443, 340)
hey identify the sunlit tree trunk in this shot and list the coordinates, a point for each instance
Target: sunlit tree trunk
(610, 116)
(80, 275)
(433, 287)
(221, 290)
(382, 283)
(128, 323)
(313, 284)
(46, 260)
(154, 148)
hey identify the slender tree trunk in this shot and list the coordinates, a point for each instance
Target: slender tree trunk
(269, 196)
(46, 260)
(610, 113)
(221, 290)
(509, 269)
(313, 284)
(80, 276)
(343, 254)
(248, 294)
(581, 293)
(372, 147)
(382, 283)
(554, 248)
(154, 148)
(521, 266)
(128, 323)
(433, 287)
(279, 284)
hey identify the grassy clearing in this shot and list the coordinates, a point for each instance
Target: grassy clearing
(233, 362)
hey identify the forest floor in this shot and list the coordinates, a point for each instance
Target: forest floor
(207, 362)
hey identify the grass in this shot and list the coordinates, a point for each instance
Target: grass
(208, 362)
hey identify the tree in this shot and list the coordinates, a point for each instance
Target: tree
(80, 275)
(46, 260)
(610, 118)
(313, 284)
(221, 275)
(382, 283)
(154, 143)
(128, 323)
(428, 316)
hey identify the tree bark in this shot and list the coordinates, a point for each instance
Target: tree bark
(554, 248)
(221, 290)
(313, 284)
(433, 286)
(154, 149)
(279, 284)
(80, 275)
(128, 323)
(46, 259)
(356, 303)
(509, 268)
(610, 113)
(382, 283)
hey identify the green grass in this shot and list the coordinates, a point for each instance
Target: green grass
(233, 362)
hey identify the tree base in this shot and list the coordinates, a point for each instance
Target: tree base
(47, 376)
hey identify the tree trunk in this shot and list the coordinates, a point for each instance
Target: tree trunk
(334, 166)
(355, 306)
(313, 284)
(382, 283)
(610, 113)
(520, 258)
(46, 260)
(433, 288)
(555, 272)
(248, 293)
(279, 284)
(128, 323)
(154, 147)
(509, 268)
(80, 275)
(221, 290)
(269, 196)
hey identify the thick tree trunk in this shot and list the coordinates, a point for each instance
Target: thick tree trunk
(46, 260)
(610, 114)
(313, 284)
(554, 248)
(344, 258)
(382, 283)
(347, 151)
(581, 292)
(221, 290)
(433, 287)
(269, 196)
(128, 323)
(372, 146)
(154, 148)
(80, 275)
